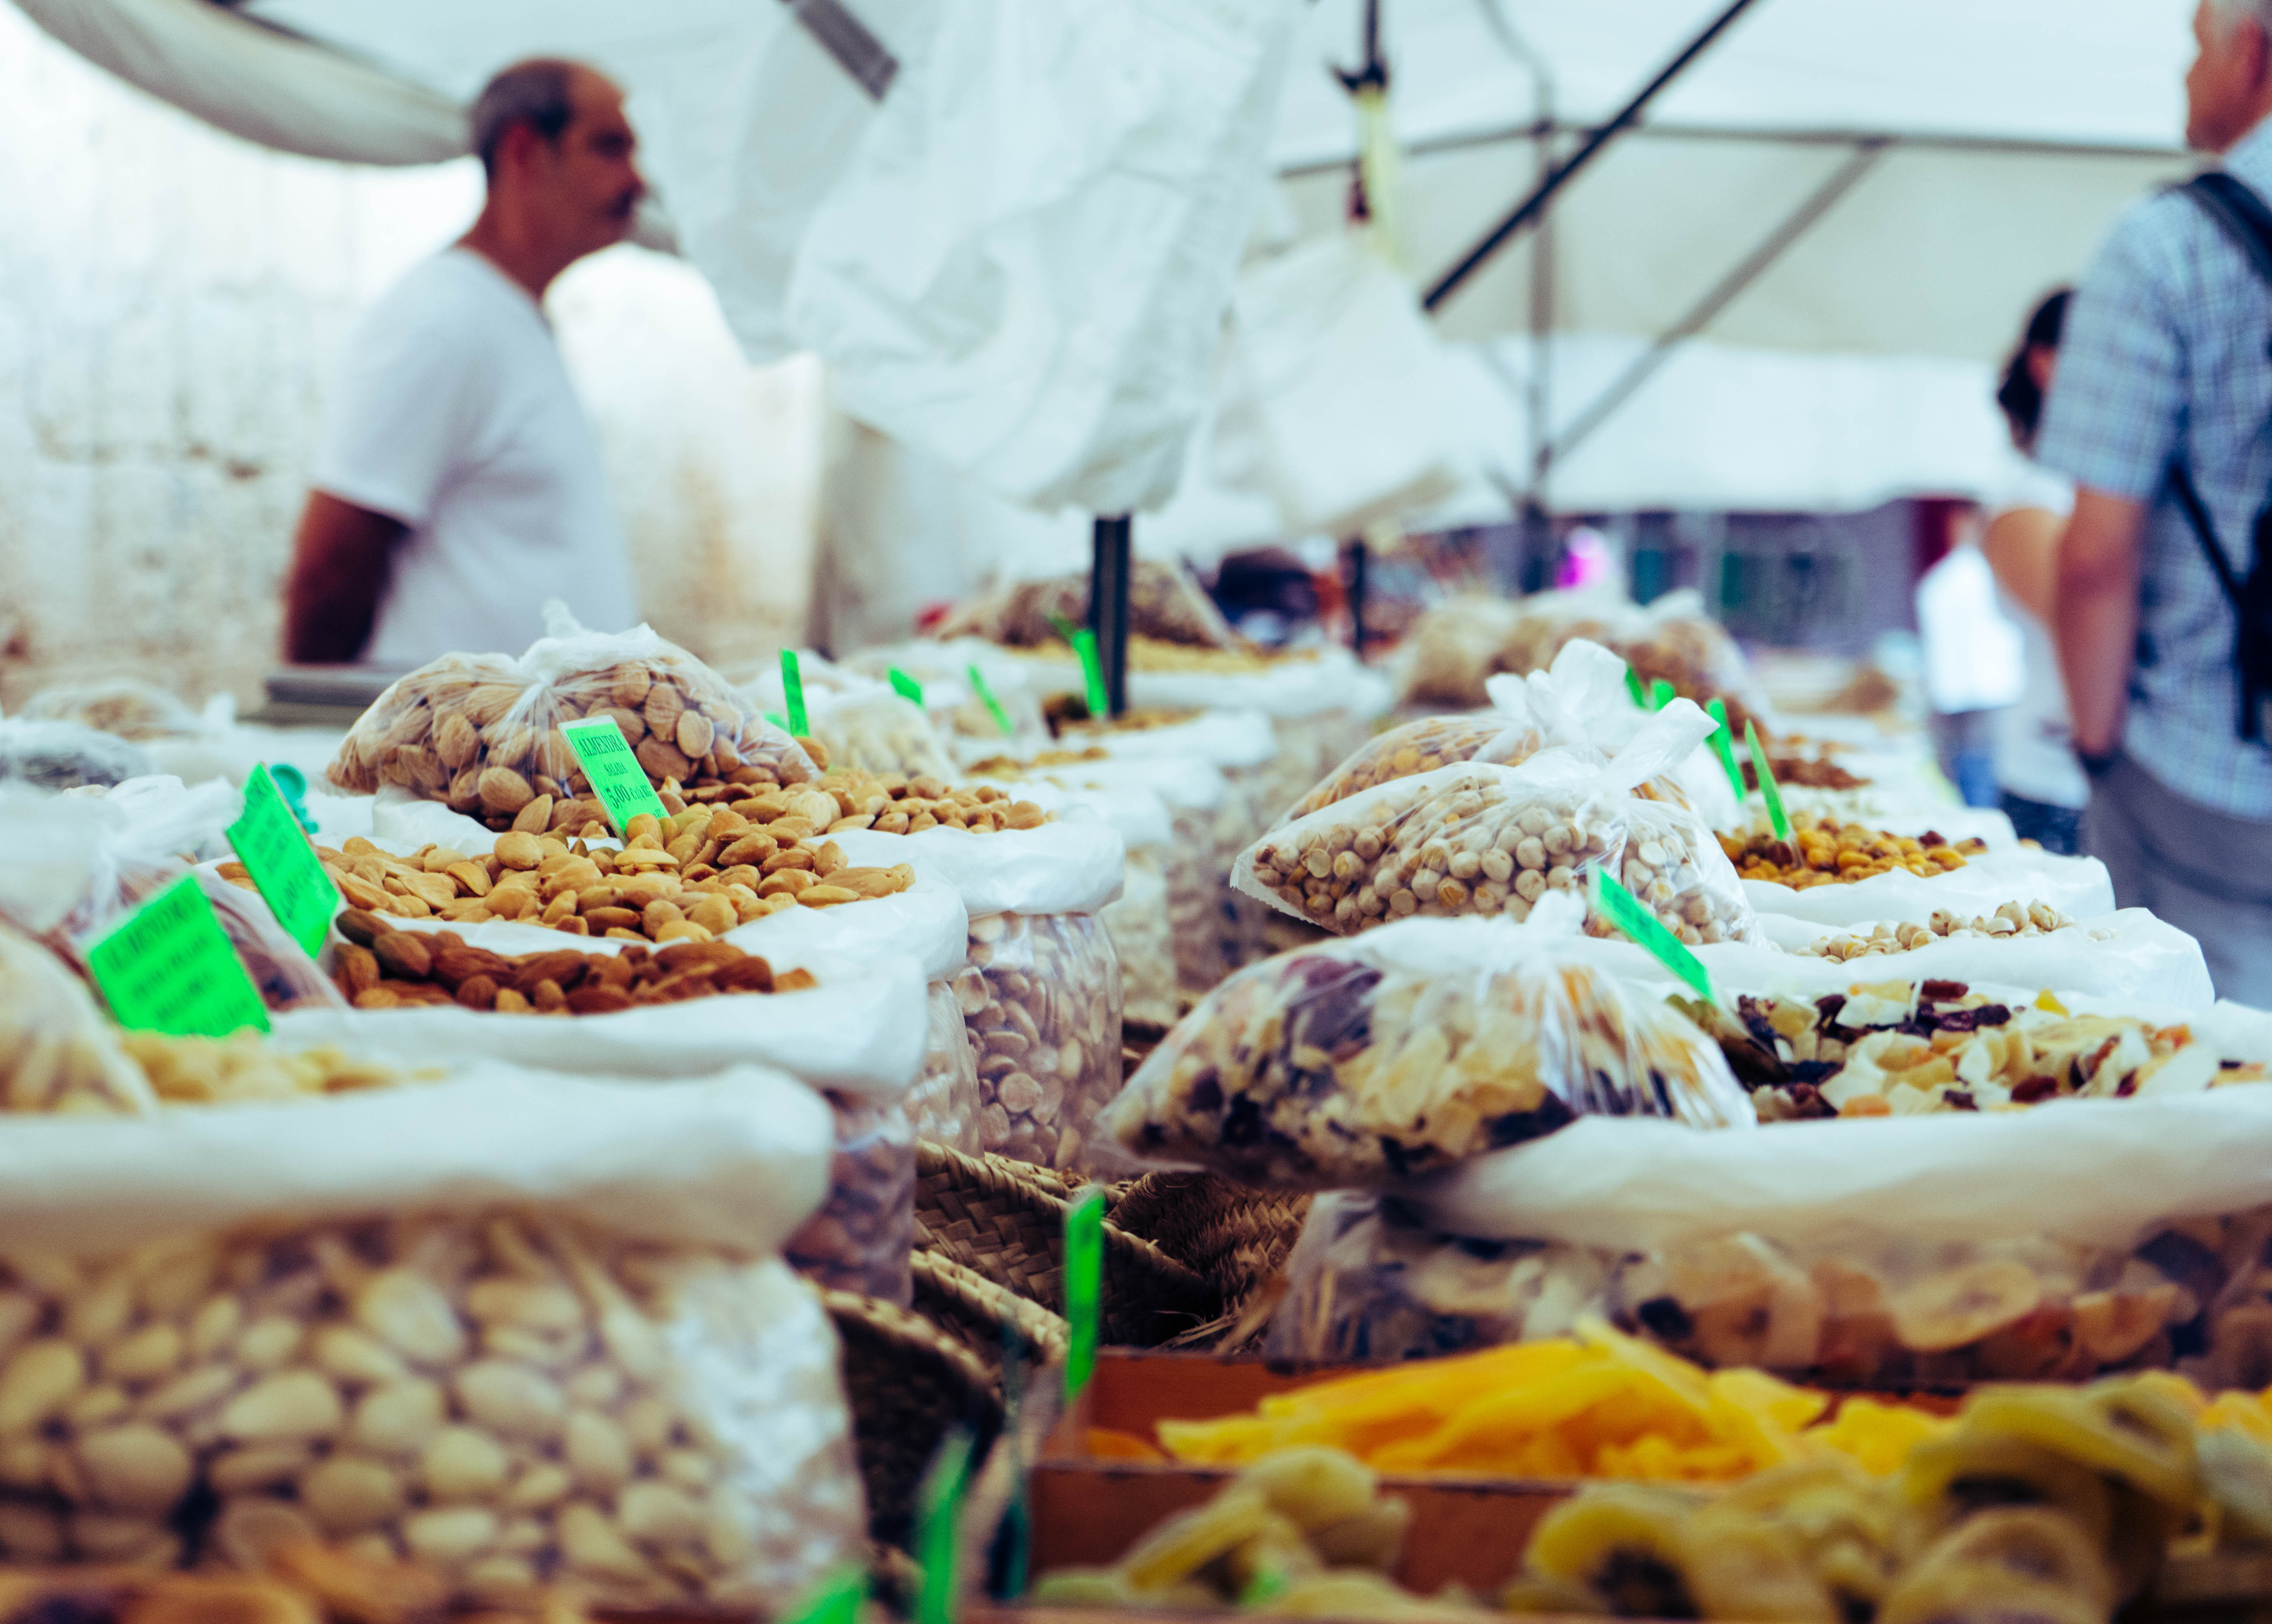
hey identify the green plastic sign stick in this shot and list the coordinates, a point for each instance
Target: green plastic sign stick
(978, 687)
(1092, 672)
(1015, 1543)
(939, 1527)
(793, 690)
(1623, 909)
(1768, 786)
(835, 1600)
(275, 851)
(617, 776)
(1724, 747)
(1065, 628)
(778, 720)
(1264, 1587)
(1660, 694)
(1634, 687)
(906, 686)
(1084, 1289)
(168, 967)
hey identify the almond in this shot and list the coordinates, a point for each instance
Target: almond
(504, 792)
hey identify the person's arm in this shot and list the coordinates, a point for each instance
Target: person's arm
(2097, 623)
(339, 568)
(2021, 546)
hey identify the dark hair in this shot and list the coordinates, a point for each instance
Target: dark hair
(534, 93)
(2019, 394)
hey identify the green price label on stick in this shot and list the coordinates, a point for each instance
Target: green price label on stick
(836, 1600)
(276, 852)
(1084, 1289)
(617, 776)
(1092, 673)
(986, 696)
(168, 967)
(1634, 687)
(906, 686)
(1724, 747)
(1624, 909)
(939, 1527)
(1768, 786)
(793, 693)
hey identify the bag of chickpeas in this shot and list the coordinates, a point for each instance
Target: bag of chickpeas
(554, 1342)
(1481, 839)
(482, 732)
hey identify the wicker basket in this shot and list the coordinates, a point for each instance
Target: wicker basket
(907, 1381)
(1231, 1235)
(979, 1314)
(1006, 1221)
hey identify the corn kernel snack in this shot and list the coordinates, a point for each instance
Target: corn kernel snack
(1822, 851)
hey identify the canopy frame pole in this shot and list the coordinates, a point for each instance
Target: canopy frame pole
(1110, 565)
(1532, 207)
(1820, 202)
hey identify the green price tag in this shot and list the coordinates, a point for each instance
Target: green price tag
(275, 851)
(1768, 786)
(835, 1600)
(906, 686)
(1724, 747)
(978, 687)
(1092, 672)
(939, 1527)
(1660, 694)
(1624, 909)
(616, 775)
(168, 967)
(1084, 1289)
(793, 693)
(1264, 1587)
(1634, 687)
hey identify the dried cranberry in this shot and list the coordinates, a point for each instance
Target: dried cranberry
(1941, 992)
(1932, 838)
(2028, 1090)
(2128, 1086)
(1242, 1124)
(1960, 1099)
(1827, 1006)
(1207, 1091)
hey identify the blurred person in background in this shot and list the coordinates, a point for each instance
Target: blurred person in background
(458, 483)
(2042, 786)
(2165, 382)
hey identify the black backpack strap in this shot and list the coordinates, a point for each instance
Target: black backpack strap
(2244, 216)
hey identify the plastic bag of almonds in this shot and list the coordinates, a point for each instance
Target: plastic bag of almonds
(1423, 746)
(482, 732)
(863, 1236)
(1041, 1000)
(557, 1343)
(1482, 839)
(944, 1104)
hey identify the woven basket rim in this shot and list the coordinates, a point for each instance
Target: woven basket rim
(890, 1322)
(1045, 1329)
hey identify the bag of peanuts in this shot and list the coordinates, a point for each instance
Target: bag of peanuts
(554, 1344)
(944, 1105)
(1482, 839)
(482, 732)
(1412, 1049)
(1139, 920)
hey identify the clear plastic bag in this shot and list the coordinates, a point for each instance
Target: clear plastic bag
(1142, 941)
(1041, 999)
(862, 1238)
(943, 1103)
(858, 722)
(66, 755)
(123, 706)
(482, 732)
(1451, 651)
(1408, 1051)
(58, 1051)
(1423, 746)
(1163, 603)
(1481, 839)
(504, 1398)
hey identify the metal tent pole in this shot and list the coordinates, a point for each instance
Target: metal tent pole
(1110, 567)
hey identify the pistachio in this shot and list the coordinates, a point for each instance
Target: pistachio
(592, 1547)
(261, 1466)
(149, 1354)
(462, 1463)
(657, 1514)
(449, 1535)
(270, 1342)
(399, 1419)
(408, 1311)
(351, 1355)
(597, 1452)
(38, 1383)
(511, 1399)
(348, 1494)
(137, 1467)
(291, 1404)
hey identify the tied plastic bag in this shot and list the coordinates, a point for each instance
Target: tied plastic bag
(57, 1052)
(1482, 839)
(66, 755)
(1423, 746)
(862, 1238)
(1163, 603)
(482, 732)
(588, 1283)
(1411, 1050)
(858, 722)
(1142, 941)
(1041, 1000)
(133, 710)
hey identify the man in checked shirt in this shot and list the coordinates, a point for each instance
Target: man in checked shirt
(2167, 362)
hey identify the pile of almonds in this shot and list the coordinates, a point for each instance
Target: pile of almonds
(379, 968)
(894, 804)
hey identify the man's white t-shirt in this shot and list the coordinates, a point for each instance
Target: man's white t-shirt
(452, 413)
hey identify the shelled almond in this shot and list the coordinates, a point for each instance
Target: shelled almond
(381, 967)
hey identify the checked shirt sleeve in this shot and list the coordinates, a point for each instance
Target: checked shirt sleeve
(2117, 405)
